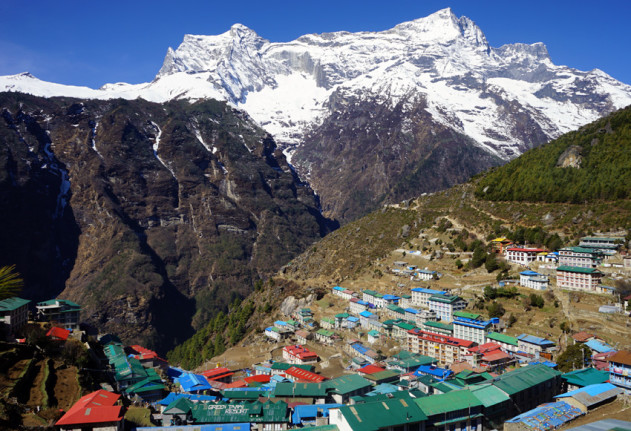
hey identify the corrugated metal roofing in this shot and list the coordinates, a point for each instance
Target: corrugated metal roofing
(372, 416)
(586, 376)
(547, 416)
(523, 378)
(445, 403)
(593, 394)
(14, 303)
(489, 395)
(503, 338)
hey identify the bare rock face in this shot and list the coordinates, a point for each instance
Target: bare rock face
(150, 216)
(291, 304)
(571, 157)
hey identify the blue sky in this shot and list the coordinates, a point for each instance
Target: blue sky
(95, 42)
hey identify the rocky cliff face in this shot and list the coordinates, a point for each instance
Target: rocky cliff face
(150, 216)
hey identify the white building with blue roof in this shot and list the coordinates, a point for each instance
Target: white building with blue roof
(421, 295)
(533, 280)
(534, 345)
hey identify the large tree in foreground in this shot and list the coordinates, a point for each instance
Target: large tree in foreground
(10, 282)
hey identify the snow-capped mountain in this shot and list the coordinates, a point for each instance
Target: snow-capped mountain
(467, 84)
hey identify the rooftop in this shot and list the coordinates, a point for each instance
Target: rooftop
(13, 303)
(383, 414)
(578, 270)
(445, 403)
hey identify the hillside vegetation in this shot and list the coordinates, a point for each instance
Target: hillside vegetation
(592, 163)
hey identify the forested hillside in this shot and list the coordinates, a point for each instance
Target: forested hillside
(592, 163)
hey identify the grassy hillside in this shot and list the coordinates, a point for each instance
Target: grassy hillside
(592, 163)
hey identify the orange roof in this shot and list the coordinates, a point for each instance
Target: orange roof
(237, 384)
(495, 355)
(96, 407)
(59, 333)
(261, 378)
(371, 369)
(621, 357)
(582, 336)
(300, 352)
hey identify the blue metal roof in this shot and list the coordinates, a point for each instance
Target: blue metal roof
(430, 291)
(552, 415)
(280, 323)
(535, 340)
(388, 297)
(366, 314)
(360, 348)
(352, 319)
(172, 396)
(309, 411)
(591, 390)
(599, 346)
(339, 288)
(193, 382)
(412, 310)
(529, 273)
(433, 370)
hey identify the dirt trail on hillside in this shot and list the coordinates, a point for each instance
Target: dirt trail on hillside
(67, 390)
(36, 396)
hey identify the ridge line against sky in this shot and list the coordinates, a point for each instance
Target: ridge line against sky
(94, 43)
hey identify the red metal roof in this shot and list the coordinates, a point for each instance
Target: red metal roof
(96, 407)
(217, 373)
(300, 352)
(305, 375)
(526, 250)
(237, 384)
(59, 333)
(370, 369)
(496, 355)
(485, 348)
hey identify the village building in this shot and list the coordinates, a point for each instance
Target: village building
(498, 245)
(401, 414)
(620, 369)
(444, 306)
(373, 336)
(411, 314)
(456, 410)
(425, 316)
(356, 349)
(534, 345)
(420, 296)
(14, 313)
(558, 413)
(533, 280)
(405, 301)
(365, 317)
(601, 243)
(298, 354)
(345, 387)
(472, 329)
(426, 275)
(589, 397)
(507, 343)
(528, 387)
(584, 377)
(340, 320)
(351, 322)
(394, 311)
(325, 336)
(576, 278)
(273, 333)
(522, 256)
(60, 312)
(327, 323)
(445, 349)
(438, 328)
(219, 374)
(95, 411)
(302, 336)
(356, 306)
(582, 257)
(374, 298)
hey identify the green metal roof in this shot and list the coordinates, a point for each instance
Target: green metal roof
(373, 293)
(61, 302)
(285, 366)
(578, 269)
(523, 378)
(342, 315)
(445, 403)
(11, 304)
(489, 395)
(240, 412)
(146, 385)
(328, 320)
(179, 405)
(382, 414)
(373, 333)
(395, 308)
(445, 326)
(586, 376)
(347, 384)
(444, 387)
(325, 332)
(303, 390)
(502, 338)
(390, 375)
(405, 326)
(581, 250)
(474, 316)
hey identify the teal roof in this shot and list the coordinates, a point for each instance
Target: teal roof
(523, 378)
(373, 333)
(301, 390)
(383, 414)
(489, 395)
(325, 332)
(146, 385)
(439, 325)
(449, 402)
(347, 384)
(578, 269)
(285, 366)
(586, 377)
(61, 302)
(11, 304)
(468, 315)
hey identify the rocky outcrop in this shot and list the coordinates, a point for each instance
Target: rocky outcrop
(570, 158)
(151, 216)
